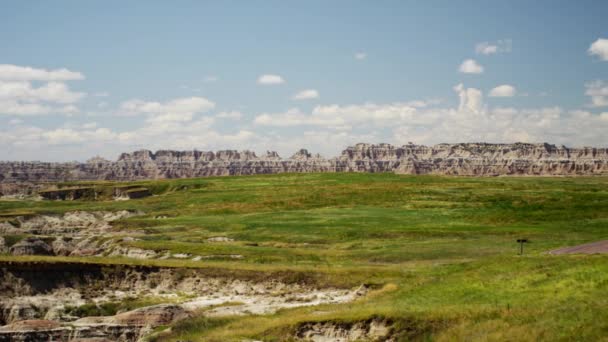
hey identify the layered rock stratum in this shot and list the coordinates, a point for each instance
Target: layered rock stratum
(466, 159)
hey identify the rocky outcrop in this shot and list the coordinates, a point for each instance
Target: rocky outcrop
(370, 330)
(130, 192)
(31, 246)
(74, 233)
(47, 330)
(62, 246)
(69, 194)
(38, 300)
(470, 159)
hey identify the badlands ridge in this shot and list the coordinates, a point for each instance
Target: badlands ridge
(464, 159)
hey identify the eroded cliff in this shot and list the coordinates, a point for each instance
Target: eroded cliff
(471, 159)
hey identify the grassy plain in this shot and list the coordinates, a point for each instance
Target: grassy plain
(440, 252)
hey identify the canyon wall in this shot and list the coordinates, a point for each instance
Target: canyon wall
(466, 159)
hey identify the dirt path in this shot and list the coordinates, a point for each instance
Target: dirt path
(588, 248)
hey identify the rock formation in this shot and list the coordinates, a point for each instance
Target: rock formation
(370, 330)
(31, 246)
(467, 159)
(40, 301)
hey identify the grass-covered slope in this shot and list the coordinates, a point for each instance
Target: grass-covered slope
(441, 251)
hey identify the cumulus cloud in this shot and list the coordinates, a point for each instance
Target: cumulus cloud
(164, 115)
(470, 120)
(174, 124)
(551, 124)
(182, 106)
(599, 48)
(487, 48)
(25, 109)
(343, 117)
(22, 98)
(504, 90)
(270, 79)
(9, 72)
(470, 99)
(470, 66)
(234, 115)
(307, 94)
(19, 96)
(193, 134)
(598, 92)
(185, 124)
(50, 92)
(292, 117)
(360, 56)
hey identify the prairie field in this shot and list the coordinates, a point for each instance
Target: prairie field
(439, 254)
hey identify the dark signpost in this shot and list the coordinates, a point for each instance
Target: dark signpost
(521, 245)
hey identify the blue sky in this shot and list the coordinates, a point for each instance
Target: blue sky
(79, 79)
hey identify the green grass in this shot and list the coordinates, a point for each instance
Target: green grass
(440, 250)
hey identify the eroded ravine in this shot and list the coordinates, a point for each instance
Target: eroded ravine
(85, 234)
(65, 301)
(46, 301)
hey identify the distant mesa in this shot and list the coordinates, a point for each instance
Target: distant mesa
(462, 159)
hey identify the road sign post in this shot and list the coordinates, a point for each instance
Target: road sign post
(521, 245)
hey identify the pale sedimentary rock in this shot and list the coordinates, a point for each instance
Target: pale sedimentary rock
(37, 299)
(470, 159)
(31, 246)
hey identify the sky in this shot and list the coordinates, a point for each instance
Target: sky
(96, 78)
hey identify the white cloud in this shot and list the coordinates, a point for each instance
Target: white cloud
(15, 122)
(307, 94)
(487, 48)
(599, 48)
(343, 117)
(470, 99)
(181, 124)
(504, 90)
(293, 117)
(21, 98)
(470, 66)
(598, 92)
(470, 121)
(181, 106)
(63, 136)
(56, 92)
(181, 128)
(9, 72)
(360, 56)
(473, 121)
(234, 115)
(270, 79)
(50, 92)
(210, 79)
(89, 125)
(327, 142)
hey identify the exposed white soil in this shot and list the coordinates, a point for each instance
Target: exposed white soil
(38, 303)
(251, 301)
(24, 309)
(72, 222)
(371, 330)
(78, 233)
(220, 239)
